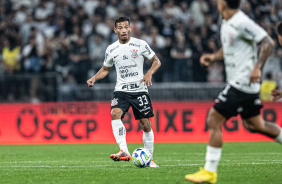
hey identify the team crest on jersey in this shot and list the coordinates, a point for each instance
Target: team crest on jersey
(232, 39)
(134, 53)
(114, 102)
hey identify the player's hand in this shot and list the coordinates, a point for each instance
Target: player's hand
(206, 59)
(275, 95)
(91, 82)
(255, 76)
(147, 79)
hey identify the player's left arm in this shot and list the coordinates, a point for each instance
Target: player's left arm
(267, 44)
(249, 30)
(156, 63)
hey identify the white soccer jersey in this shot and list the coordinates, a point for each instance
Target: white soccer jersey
(239, 37)
(129, 60)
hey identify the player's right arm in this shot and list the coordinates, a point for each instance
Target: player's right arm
(104, 71)
(208, 59)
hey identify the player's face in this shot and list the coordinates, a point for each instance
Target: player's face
(280, 39)
(123, 30)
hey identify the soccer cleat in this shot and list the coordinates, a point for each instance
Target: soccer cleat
(153, 164)
(121, 155)
(202, 176)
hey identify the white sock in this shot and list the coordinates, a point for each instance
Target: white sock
(279, 137)
(212, 158)
(120, 134)
(148, 141)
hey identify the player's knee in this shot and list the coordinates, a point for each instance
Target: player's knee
(212, 121)
(116, 114)
(251, 128)
(145, 125)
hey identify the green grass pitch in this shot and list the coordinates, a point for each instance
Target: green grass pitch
(259, 163)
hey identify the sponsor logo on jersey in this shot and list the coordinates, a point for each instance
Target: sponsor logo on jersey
(130, 86)
(147, 48)
(146, 112)
(134, 53)
(131, 74)
(134, 45)
(147, 108)
(127, 66)
(252, 34)
(232, 39)
(125, 57)
(114, 49)
(114, 102)
(230, 65)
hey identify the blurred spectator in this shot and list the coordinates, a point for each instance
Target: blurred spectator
(154, 38)
(181, 55)
(266, 87)
(11, 61)
(199, 8)
(79, 58)
(97, 46)
(112, 9)
(43, 10)
(31, 56)
(11, 56)
(184, 13)
(165, 72)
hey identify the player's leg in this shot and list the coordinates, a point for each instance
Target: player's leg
(254, 122)
(148, 135)
(143, 110)
(118, 128)
(213, 152)
(257, 125)
(119, 107)
(225, 107)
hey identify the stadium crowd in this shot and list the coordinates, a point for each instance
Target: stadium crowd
(69, 37)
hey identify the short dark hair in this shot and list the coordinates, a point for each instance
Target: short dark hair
(233, 4)
(122, 19)
(279, 29)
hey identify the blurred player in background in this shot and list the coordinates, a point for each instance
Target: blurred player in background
(239, 36)
(276, 94)
(127, 54)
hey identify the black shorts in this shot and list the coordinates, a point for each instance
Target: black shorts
(231, 102)
(139, 101)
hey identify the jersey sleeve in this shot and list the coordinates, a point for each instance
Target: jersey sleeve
(146, 50)
(108, 62)
(252, 31)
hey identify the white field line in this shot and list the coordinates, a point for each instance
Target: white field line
(167, 165)
(100, 161)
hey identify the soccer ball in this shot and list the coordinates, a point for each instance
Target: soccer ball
(141, 157)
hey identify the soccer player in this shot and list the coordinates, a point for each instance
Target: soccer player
(127, 54)
(239, 36)
(276, 94)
